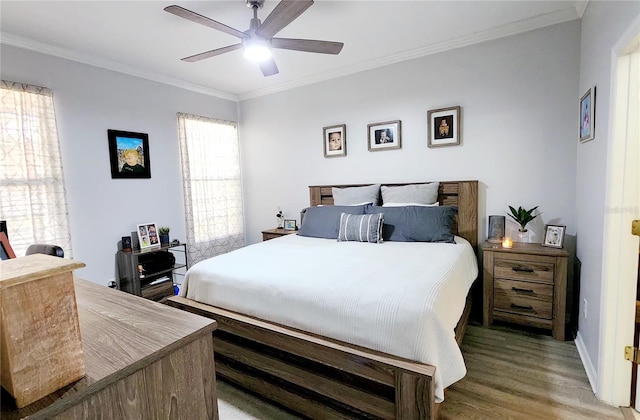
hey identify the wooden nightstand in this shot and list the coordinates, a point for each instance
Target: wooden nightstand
(525, 285)
(276, 233)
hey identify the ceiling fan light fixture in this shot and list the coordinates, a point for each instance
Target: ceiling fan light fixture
(257, 50)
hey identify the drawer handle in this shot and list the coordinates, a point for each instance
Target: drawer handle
(525, 291)
(522, 269)
(522, 308)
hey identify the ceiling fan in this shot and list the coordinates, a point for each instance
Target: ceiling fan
(258, 40)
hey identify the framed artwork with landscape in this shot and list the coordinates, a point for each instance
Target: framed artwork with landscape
(334, 139)
(587, 115)
(443, 127)
(384, 136)
(129, 153)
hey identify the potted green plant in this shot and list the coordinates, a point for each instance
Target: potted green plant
(523, 217)
(163, 231)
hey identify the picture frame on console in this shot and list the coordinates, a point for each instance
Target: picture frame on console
(290, 224)
(129, 154)
(443, 127)
(554, 236)
(334, 140)
(384, 135)
(148, 236)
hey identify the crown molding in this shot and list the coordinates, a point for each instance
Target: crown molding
(29, 44)
(513, 28)
(581, 6)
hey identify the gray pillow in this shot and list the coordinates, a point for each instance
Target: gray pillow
(418, 193)
(324, 221)
(417, 223)
(355, 195)
(360, 228)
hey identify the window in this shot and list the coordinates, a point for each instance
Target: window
(32, 196)
(212, 186)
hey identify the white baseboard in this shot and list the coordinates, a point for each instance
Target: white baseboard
(586, 362)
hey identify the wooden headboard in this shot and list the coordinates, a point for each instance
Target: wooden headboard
(463, 194)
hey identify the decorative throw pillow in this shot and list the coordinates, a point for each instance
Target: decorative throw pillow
(417, 193)
(355, 195)
(324, 221)
(360, 228)
(416, 223)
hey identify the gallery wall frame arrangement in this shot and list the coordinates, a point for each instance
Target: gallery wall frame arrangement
(148, 236)
(588, 115)
(334, 140)
(554, 236)
(129, 154)
(384, 136)
(443, 127)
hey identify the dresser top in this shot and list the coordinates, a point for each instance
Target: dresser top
(526, 248)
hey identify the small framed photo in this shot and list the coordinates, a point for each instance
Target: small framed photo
(129, 153)
(587, 115)
(443, 127)
(148, 236)
(496, 229)
(334, 139)
(554, 236)
(290, 224)
(385, 136)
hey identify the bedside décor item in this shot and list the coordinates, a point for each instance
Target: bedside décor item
(384, 136)
(523, 217)
(443, 127)
(126, 243)
(507, 243)
(148, 236)
(554, 236)
(587, 115)
(280, 218)
(290, 224)
(164, 235)
(175, 242)
(129, 154)
(496, 229)
(334, 139)
(41, 345)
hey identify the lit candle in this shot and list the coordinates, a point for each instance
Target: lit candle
(507, 243)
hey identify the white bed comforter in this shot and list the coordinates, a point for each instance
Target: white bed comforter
(401, 298)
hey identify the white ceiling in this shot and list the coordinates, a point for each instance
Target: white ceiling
(140, 38)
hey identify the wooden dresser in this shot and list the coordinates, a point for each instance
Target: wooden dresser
(525, 285)
(142, 360)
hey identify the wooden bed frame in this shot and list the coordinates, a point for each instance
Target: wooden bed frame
(323, 378)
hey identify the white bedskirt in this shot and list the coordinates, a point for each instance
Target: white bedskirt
(401, 298)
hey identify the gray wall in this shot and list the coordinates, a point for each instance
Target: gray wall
(88, 102)
(518, 98)
(603, 24)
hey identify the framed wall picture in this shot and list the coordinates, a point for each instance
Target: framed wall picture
(554, 236)
(290, 224)
(129, 153)
(384, 136)
(334, 139)
(148, 236)
(443, 127)
(587, 115)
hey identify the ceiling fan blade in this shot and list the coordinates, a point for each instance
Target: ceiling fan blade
(284, 13)
(211, 53)
(268, 67)
(203, 20)
(308, 45)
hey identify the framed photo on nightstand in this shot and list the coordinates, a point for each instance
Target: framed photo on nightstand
(290, 224)
(554, 236)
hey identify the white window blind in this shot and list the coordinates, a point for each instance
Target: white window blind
(212, 186)
(32, 193)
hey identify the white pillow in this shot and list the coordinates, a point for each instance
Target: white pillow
(410, 204)
(355, 195)
(415, 193)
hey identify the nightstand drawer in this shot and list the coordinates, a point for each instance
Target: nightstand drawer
(532, 299)
(523, 270)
